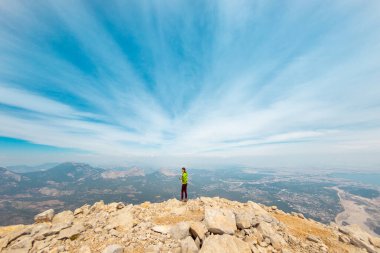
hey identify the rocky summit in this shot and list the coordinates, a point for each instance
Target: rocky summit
(204, 225)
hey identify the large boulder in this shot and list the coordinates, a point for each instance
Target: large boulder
(180, 230)
(243, 219)
(46, 216)
(277, 241)
(265, 229)
(220, 221)
(188, 245)
(224, 244)
(198, 229)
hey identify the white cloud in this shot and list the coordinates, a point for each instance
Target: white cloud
(240, 83)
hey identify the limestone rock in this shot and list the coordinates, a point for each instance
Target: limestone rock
(363, 244)
(312, 238)
(163, 229)
(152, 249)
(23, 244)
(375, 241)
(220, 221)
(180, 230)
(84, 249)
(188, 245)
(123, 219)
(71, 232)
(224, 244)
(243, 220)
(358, 237)
(277, 241)
(114, 248)
(120, 205)
(265, 229)
(198, 229)
(344, 238)
(198, 242)
(66, 217)
(344, 230)
(78, 211)
(46, 216)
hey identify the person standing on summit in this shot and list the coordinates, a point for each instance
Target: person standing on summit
(184, 184)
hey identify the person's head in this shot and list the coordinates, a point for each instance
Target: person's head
(183, 169)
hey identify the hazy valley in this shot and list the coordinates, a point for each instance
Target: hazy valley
(71, 185)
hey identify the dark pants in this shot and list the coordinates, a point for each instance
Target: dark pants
(184, 191)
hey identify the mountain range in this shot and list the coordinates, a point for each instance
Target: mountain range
(321, 196)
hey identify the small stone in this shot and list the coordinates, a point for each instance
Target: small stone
(323, 249)
(344, 238)
(344, 230)
(113, 232)
(300, 215)
(78, 211)
(46, 216)
(375, 241)
(120, 205)
(114, 248)
(313, 238)
(61, 248)
(85, 249)
(162, 229)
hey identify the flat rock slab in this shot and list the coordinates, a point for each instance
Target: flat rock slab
(162, 229)
(224, 244)
(220, 221)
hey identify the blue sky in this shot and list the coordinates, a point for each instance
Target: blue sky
(261, 83)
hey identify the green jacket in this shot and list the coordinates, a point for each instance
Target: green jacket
(184, 178)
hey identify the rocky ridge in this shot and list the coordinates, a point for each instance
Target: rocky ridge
(203, 225)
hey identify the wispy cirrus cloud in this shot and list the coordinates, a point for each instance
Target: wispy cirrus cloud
(216, 79)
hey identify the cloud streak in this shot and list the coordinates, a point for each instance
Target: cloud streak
(206, 79)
